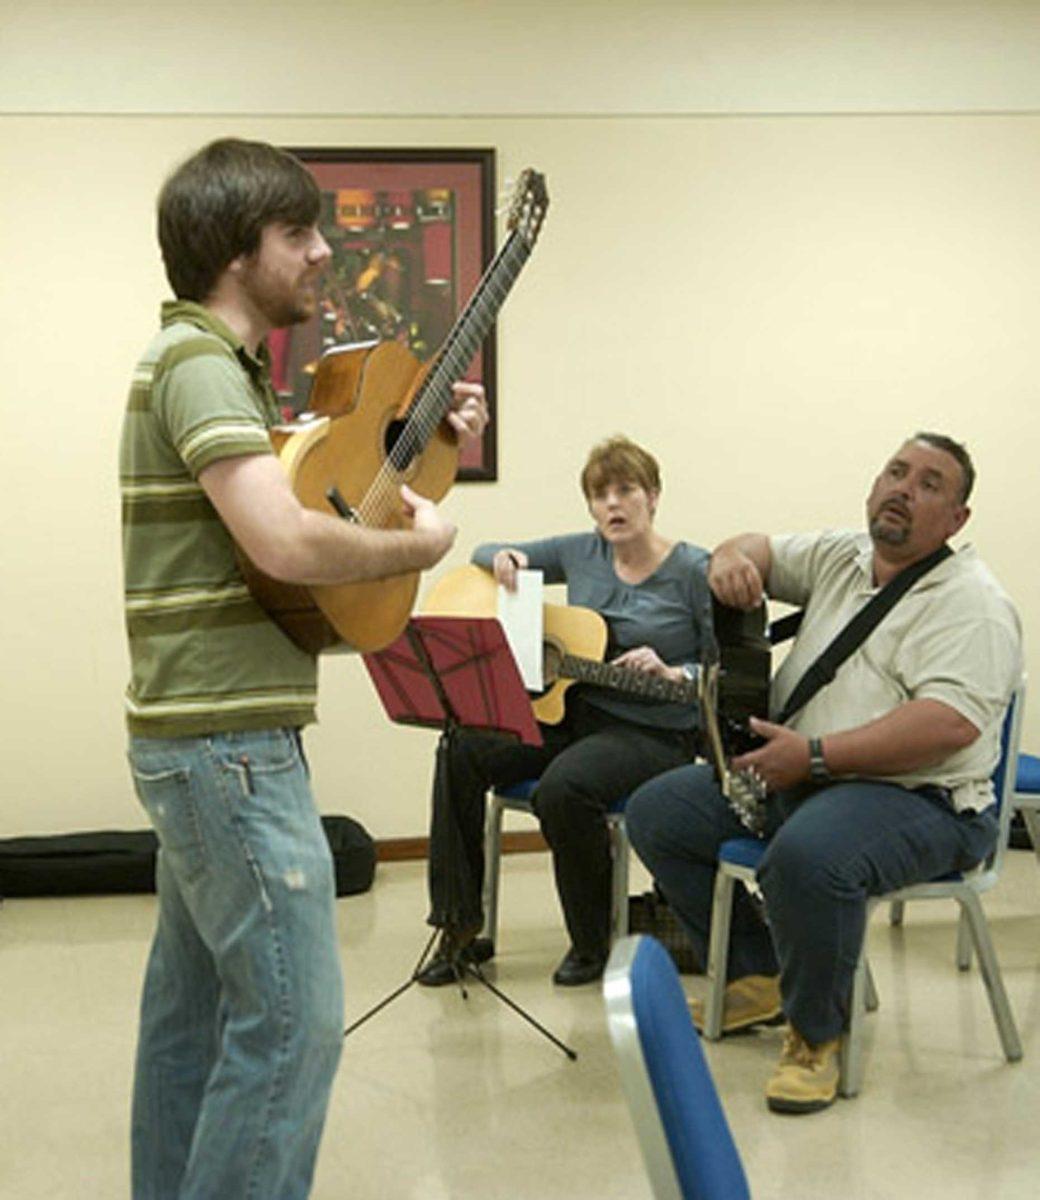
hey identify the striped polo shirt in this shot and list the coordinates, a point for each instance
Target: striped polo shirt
(204, 656)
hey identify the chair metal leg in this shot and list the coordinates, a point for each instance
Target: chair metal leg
(895, 912)
(718, 954)
(864, 999)
(619, 853)
(1031, 816)
(963, 942)
(971, 906)
(850, 1078)
(492, 865)
(870, 996)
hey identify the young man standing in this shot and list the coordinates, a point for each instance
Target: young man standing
(241, 1014)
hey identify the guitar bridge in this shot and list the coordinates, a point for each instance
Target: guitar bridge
(335, 498)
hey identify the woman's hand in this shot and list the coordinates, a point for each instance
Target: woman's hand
(505, 565)
(645, 658)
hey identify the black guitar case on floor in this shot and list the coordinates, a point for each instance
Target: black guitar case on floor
(112, 863)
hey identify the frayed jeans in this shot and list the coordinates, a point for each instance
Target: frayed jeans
(844, 843)
(242, 1008)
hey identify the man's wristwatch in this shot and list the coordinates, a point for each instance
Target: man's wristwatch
(818, 772)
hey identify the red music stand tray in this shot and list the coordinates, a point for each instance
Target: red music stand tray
(454, 672)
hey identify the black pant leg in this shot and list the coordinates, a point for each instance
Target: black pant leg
(467, 764)
(572, 800)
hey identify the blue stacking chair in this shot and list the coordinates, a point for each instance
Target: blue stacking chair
(1027, 796)
(517, 798)
(738, 862)
(682, 1130)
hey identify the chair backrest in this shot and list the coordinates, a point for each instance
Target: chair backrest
(1006, 771)
(683, 1133)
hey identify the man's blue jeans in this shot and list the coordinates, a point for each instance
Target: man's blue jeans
(242, 1008)
(844, 843)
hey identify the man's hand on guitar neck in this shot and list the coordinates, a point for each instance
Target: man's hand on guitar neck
(468, 415)
(782, 762)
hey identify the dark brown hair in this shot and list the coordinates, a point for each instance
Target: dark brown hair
(955, 450)
(619, 459)
(215, 205)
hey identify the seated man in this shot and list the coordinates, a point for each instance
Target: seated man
(881, 780)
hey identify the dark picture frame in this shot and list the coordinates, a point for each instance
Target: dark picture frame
(411, 231)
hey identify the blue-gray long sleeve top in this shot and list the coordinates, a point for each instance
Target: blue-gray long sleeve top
(667, 611)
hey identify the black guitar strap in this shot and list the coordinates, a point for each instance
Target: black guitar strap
(854, 634)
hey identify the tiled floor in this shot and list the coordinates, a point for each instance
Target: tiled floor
(443, 1097)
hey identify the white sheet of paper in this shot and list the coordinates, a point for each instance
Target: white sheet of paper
(520, 613)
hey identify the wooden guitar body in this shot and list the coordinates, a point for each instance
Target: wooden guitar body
(566, 630)
(358, 395)
(377, 420)
(575, 642)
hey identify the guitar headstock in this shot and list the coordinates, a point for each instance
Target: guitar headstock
(747, 797)
(745, 791)
(528, 205)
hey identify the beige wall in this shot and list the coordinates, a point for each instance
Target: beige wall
(513, 57)
(768, 302)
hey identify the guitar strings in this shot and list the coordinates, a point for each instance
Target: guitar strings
(382, 499)
(431, 404)
(383, 496)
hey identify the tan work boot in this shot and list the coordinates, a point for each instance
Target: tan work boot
(753, 1000)
(806, 1077)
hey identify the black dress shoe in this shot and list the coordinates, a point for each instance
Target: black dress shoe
(454, 950)
(577, 969)
(480, 950)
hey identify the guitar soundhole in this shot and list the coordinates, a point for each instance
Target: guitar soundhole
(400, 449)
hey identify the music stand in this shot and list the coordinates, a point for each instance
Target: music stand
(455, 673)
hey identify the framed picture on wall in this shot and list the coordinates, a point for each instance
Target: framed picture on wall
(411, 232)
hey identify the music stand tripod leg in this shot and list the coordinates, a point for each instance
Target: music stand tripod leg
(477, 656)
(475, 970)
(442, 771)
(398, 991)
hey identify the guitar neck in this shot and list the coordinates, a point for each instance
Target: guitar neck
(625, 679)
(432, 401)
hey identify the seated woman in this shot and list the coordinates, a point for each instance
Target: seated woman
(653, 594)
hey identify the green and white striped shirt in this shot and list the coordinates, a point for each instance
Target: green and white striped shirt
(205, 658)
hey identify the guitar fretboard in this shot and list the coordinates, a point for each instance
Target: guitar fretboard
(625, 679)
(433, 399)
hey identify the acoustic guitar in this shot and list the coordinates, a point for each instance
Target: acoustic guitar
(376, 420)
(574, 641)
(744, 791)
